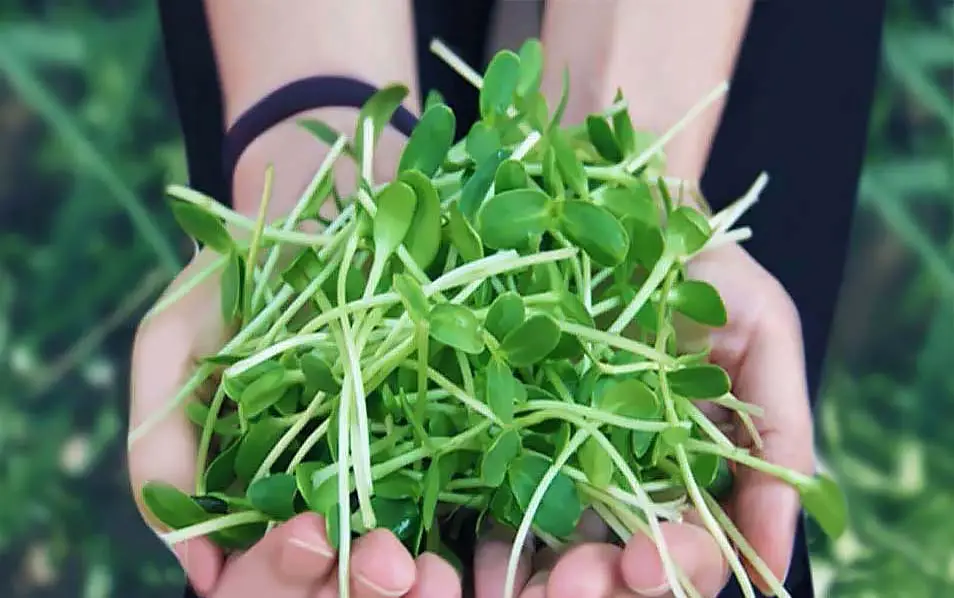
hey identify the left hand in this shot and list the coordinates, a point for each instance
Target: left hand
(761, 349)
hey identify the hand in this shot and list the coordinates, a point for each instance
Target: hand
(761, 349)
(295, 559)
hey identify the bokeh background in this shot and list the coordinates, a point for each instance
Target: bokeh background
(87, 142)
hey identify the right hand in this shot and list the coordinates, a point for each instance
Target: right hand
(294, 560)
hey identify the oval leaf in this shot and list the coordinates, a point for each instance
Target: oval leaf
(457, 327)
(257, 443)
(561, 508)
(500, 83)
(318, 485)
(462, 236)
(511, 217)
(623, 128)
(263, 392)
(425, 240)
(687, 230)
(274, 496)
(510, 175)
(412, 295)
(482, 142)
(380, 107)
(700, 301)
(532, 341)
(430, 141)
(531, 68)
(474, 191)
(602, 138)
(571, 169)
(396, 204)
(202, 226)
(231, 287)
(505, 313)
(704, 381)
(318, 376)
(824, 501)
(171, 506)
(497, 458)
(596, 463)
(503, 390)
(596, 231)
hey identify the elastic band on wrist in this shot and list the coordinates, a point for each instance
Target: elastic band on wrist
(297, 97)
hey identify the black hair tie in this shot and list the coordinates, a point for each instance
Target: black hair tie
(294, 98)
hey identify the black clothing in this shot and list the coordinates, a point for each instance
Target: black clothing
(798, 109)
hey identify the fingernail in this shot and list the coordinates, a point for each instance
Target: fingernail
(653, 592)
(378, 590)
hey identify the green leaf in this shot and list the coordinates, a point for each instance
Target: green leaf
(602, 138)
(629, 398)
(705, 468)
(498, 456)
(561, 508)
(503, 390)
(221, 471)
(255, 446)
(318, 485)
(570, 166)
(430, 141)
(425, 239)
(704, 381)
(824, 501)
(318, 376)
(396, 204)
(474, 191)
(412, 295)
(274, 496)
(433, 98)
(531, 341)
(633, 200)
(510, 175)
(700, 301)
(500, 83)
(231, 287)
(171, 506)
(482, 142)
(303, 269)
(397, 485)
(572, 307)
(564, 98)
(687, 230)
(324, 132)
(380, 107)
(401, 517)
(508, 219)
(552, 181)
(623, 128)
(457, 327)
(595, 230)
(432, 487)
(505, 313)
(462, 236)
(531, 68)
(646, 242)
(202, 226)
(596, 463)
(263, 392)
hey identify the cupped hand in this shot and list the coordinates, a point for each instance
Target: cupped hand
(294, 560)
(761, 349)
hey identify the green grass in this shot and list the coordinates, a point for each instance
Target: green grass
(88, 140)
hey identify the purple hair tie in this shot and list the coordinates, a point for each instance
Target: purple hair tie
(294, 98)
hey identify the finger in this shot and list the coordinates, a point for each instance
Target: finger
(762, 350)
(537, 585)
(435, 578)
(589, 570)
(162, 361)
(289, 562)
(693, 551)
(380, 566)
(491, 559)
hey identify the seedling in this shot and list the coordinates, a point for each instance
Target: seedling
(491, 331)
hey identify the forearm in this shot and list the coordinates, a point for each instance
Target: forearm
(665, 55)
(260, 46)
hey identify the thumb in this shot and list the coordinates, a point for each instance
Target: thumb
(163, 443)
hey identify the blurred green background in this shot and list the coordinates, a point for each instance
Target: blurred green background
(87, 142)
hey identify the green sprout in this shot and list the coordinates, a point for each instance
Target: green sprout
(492, 332)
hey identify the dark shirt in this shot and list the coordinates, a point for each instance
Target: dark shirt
(798, 109)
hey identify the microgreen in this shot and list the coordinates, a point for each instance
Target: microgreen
(491, 332)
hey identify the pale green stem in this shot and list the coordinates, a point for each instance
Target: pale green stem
(252, 291)
(205, 440)
(289, 436)
(656, 276)
(212, 525)
(308, 444)
(186, 287)
(614, 340)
